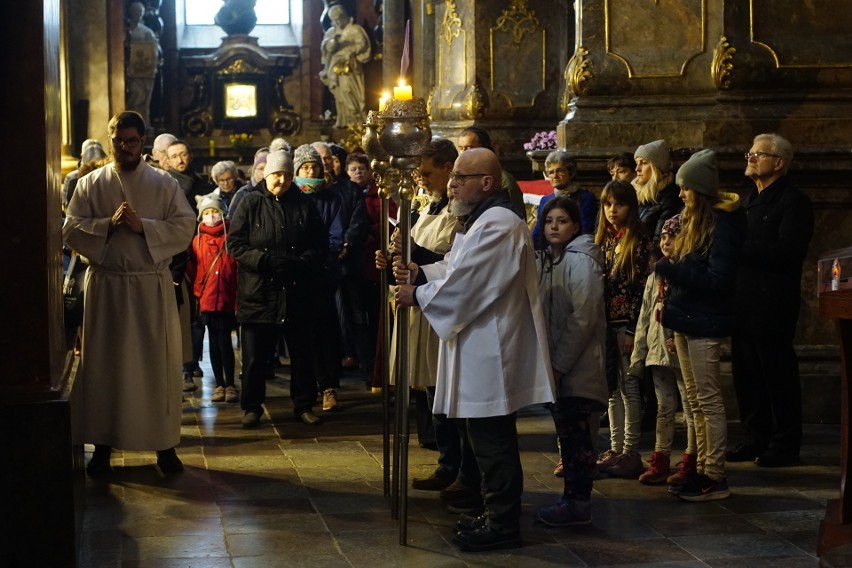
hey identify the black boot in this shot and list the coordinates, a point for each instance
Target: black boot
(99, 464)
(168, 461)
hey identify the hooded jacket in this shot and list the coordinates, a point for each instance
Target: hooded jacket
(700, 301)
(216, 287)
(572, 299)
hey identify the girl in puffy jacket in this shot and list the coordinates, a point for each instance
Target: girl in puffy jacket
(570, 267)
(214, 275)
(699, 309)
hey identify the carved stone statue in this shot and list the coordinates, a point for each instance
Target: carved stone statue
(345, 49)
(145, 55)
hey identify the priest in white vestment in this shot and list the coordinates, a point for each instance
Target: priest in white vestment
(127, 220)
(483, 303)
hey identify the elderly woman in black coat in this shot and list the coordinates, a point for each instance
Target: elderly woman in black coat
(280, 242)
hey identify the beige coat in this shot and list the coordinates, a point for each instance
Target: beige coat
(128, 390)
(433, 232)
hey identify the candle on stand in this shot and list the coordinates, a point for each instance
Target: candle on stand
(383, 100)
(402, 92)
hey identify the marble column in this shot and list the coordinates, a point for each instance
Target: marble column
(39, 524)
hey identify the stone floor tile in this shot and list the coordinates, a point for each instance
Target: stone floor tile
(281, 543)
(259, 507)
(183, 546)
(708, 524)
(766, 562)
(293, 559)
(706, 547)
(223, 562)
(170, 526)
(605, 552)
(273, 523)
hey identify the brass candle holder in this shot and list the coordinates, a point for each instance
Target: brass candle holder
(394, 138)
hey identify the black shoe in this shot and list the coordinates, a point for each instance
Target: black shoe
(743, 452)
(99, 464)
(309, 418)
(776, 458)
(168, 461)
(431, 483)
(197, 372)
(486, 538)
(471, 523)
(251, 419)
(429, 446)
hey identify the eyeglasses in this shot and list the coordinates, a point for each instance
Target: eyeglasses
(129, 143)
(461, 179)
(749, 156)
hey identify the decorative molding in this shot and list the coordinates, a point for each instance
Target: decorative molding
(198, 121)
(720, 68)
(451, 25)
(239, 66)
(518, 20)
(577, 72)
(476, 101)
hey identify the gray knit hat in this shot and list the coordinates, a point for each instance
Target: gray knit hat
(211, 201)
(304, 154)
(699, 173)
(656, 152)
(278, 161)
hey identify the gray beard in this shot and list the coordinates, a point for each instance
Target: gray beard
(461, 209)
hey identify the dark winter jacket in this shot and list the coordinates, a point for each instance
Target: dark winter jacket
(780, 226)
(588, 204)
(653, 215)
(280, 244)
(700, 301)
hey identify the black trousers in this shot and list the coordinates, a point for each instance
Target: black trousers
(494, 443)
(571, 416)
(219, 328)
(258, 343)
(455, 457)
(766, 380)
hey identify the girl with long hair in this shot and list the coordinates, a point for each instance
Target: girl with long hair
(702, 280)
(627, 252)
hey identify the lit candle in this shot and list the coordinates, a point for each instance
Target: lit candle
(402, 92)
(383, 100)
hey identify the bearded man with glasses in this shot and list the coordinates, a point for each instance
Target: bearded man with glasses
(128, 220)
(764, 364)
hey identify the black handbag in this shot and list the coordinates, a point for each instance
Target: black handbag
(72, 291)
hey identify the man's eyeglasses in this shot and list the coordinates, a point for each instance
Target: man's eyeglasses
(749, 156)
(461, 179)
(129, 143)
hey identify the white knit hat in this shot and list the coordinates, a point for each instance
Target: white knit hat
(211, 201)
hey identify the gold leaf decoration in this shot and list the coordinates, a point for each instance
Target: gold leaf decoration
(518, 20)
(720, 68)
(451, 25)
(577, 72)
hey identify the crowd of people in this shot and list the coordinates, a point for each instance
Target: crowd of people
(615, 306)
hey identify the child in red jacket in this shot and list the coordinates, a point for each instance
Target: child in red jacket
(214, 275)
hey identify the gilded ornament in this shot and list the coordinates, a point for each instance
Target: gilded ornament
(720, 68)
(239, 66)
(518, 20)
(451, 25)
(476, 101)
(577, 72)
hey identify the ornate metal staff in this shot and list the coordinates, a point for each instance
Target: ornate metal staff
(380, 165)
(405, 132)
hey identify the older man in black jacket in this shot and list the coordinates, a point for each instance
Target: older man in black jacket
(765, 367)
(280, 241)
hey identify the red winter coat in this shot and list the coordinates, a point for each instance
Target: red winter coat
(219, 292)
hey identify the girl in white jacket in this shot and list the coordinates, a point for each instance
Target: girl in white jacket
(653, 348)
(571, 285)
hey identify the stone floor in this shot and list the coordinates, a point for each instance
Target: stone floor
(286, 494)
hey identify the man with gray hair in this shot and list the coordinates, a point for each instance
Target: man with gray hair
(281, 243)
(159, 152)
(560, 168)
(764, 364)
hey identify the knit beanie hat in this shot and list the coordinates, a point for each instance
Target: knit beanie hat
(278, 161)
(259, 159)
(304, 154)
(699, 173)
(211, 201)
(656, 152)
(672, 226)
